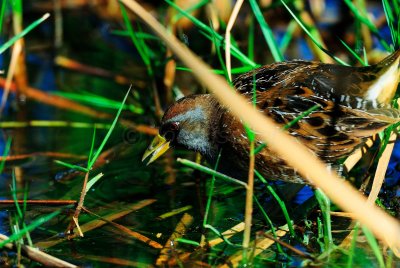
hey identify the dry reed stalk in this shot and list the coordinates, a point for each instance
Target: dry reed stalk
(228, 234)
(74, 65)
(74, 221)
(36, 255)
(114, 261)
(179, 231)
(352, 159)
(381, 169)
(50, 202)
(17, 49)
(100, 222)
(297, 155)
(63, 103)
(128, 231)
(229, 27)
(260, 245)
(47, 154)
(309, 21)
(248, 215)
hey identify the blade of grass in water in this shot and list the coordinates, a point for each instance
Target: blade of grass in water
(34, 24)
(353, 246)
(278, 246)
(139, 35)
(187, 241)
(280, 202)
(70, 166)
(98, 101)
(30, 227)
(210, 171)
(45, 123)
(214, 174)
(267, 32)
(103, 143)
(325, 205)
(374, 246)
(5, 153)
(92, 146)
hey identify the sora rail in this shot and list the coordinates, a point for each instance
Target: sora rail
(354, 104)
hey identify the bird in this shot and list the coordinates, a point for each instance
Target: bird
(348, 104)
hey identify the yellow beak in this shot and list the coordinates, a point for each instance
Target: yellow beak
(157, 148)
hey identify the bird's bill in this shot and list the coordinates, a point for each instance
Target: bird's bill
(158, 147)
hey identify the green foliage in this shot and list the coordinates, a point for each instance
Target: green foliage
(34, 24)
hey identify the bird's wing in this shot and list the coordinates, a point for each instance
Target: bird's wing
(333, 130)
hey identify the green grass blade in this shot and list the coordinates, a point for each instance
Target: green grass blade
(5, 153)
(2, 12)
(237, 70)
(325, 205)
(103, 143)
(210, 193)
(46, 123)
(141, 48)
(365, 20)
(98, 101)
(220, 58)
(391, 20)
(353, 246)
(75, 167)
(30, 227)
(250, 46)
(196, 6)
(288, 36)
(374, 246)
(14, 195)
(210, 171)
(281, 204)
(267, 32)
(278, 246)
(34, 24)
(187, 241)
(210, 32)
(91, 147)
(316, 42)
(353, 53)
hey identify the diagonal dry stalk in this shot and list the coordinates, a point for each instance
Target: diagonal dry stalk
(381, 169)
(309, 166)
(38, 256)
(229, 27)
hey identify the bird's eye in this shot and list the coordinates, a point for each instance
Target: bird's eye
(170, 131)
(174, 126)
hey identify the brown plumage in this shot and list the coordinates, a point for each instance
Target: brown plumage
(354, 103)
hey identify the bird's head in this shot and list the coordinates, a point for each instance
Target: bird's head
(187, 123)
